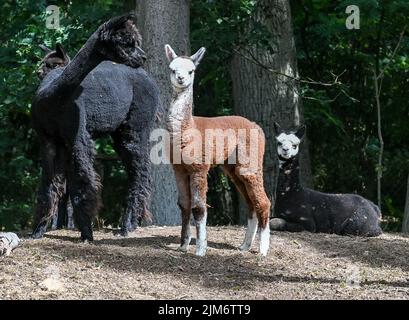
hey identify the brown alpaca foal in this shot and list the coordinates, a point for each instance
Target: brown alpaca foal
(194, 150)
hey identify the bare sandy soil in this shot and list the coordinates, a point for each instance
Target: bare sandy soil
(146, 265)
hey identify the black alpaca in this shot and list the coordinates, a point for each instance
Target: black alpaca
(63, 216)
(298, 208)
(101, 91)
(52, 60)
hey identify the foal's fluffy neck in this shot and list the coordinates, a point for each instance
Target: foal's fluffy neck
(289, 176)
(181, 107)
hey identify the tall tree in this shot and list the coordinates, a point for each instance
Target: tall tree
(162, 22)
(405, 224)
(265, 96)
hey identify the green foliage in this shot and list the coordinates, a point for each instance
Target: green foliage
(217, 26)
(341, 119)
(23, 28)
(343, 131)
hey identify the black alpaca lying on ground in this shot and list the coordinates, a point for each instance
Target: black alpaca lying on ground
(91, 96)
(298, 208)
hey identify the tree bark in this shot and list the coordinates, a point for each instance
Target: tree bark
(163, 22)
(265, 97)
(405, 224)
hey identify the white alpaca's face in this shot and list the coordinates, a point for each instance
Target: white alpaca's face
(182, 69)
(182, 72)
(287, 145)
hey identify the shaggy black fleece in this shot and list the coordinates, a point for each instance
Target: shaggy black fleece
(298, 208)
(89, 98)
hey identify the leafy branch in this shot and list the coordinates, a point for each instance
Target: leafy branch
(250, 56)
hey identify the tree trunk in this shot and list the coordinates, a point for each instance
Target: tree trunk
(405, 225)
(263, 96)
(130, 5)
(221, 199)
(162, 22)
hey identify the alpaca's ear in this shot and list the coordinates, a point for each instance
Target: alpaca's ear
(277, 129)
(300, 132)
(170, 54)
(198, 56)
(61, 52)
(45, 48)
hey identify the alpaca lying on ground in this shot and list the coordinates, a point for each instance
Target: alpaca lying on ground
(94, 94)
(298, 208)
(187, 132)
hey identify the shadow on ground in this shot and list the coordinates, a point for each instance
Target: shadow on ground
(158, 254)
(390, 250)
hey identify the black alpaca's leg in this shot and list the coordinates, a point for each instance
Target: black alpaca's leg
(61, 216)
(84, 186)
(64, 217)
(51, 187)
(59, 219)
(133, 148)
(62, 211)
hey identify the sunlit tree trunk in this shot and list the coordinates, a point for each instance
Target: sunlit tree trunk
(162, 22)
(264, 96)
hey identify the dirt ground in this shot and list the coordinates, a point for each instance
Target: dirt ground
(146, 265)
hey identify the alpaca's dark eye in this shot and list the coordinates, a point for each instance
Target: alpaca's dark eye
(280, 144)
(294, 146)
(190, 72)
(173, 71)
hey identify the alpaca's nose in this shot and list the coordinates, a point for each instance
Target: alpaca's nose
(180, 78)
(285, 149)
